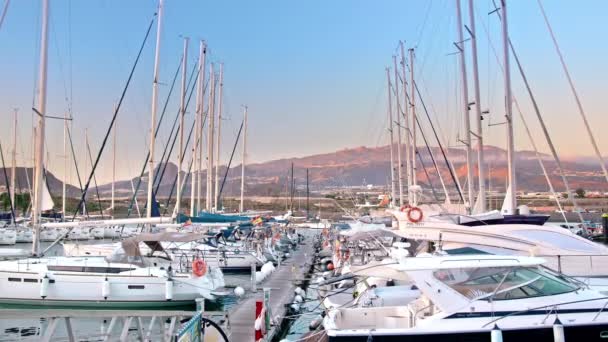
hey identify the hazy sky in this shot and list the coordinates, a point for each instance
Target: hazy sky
(311, 72)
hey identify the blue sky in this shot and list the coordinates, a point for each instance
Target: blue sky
(311, 72)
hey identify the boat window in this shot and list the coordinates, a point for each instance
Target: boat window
(89, 269)
(560, 240)
(14, 279)
(29, 280)
(136, 287)
(504, 282)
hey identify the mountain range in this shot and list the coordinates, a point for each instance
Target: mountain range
(356, 167)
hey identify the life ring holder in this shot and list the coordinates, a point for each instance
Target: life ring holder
(199, 267)
(415, 218)
(405, 208)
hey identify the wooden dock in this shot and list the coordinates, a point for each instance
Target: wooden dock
(282, 284)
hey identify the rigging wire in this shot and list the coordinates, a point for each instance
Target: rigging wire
(105, 140)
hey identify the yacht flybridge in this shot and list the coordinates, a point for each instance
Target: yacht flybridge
(466, 297)
(131, 277)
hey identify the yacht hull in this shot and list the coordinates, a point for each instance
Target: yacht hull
(585, 333)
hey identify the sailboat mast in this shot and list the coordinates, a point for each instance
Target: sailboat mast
(218, 140)
(479, 134)
(182, 115)
(465, 104)
(65, 164)
(389, 113)
(414, 181)
(200, 123)
(154, 104)
(14, 163)
(114, 133)
(408, 165)
(244, 159)
(308, 196)
(511, 189)
(210, 138)
(399, 129)
(195, 173)
(39, 159)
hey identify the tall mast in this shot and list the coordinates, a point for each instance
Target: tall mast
(413, 105)
(195, 203)
(389, 113)
(39, 160)
(399, 129)
(244, 159)
(465, 104)
(14, 164)
(511, 189)
(210, 138)
(201, 122)
(219, 131)
(154, 104)
(182, 115)
(65, 164)
(86, 163)
(308, 195)
(114, 133)
(479, 134)
(408, 165)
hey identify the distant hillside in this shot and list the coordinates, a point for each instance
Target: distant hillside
(356, 166)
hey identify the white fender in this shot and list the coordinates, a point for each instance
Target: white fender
(169, 289)
(105, 289)
(44, 286)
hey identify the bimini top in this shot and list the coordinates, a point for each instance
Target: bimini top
(429, 262)
(153, 241)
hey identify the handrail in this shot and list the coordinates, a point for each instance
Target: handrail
(542, 307)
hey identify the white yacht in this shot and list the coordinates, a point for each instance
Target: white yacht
(466, 297)
(127, 278)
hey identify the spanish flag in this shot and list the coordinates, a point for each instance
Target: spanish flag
(257, 221)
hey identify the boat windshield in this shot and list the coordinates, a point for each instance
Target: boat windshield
(501, 283)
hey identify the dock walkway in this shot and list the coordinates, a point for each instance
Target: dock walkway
(282, 285)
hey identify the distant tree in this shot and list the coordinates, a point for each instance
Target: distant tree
(580, 193)
(5, 201)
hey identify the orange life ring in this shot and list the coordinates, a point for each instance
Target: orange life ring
(415, 219)
(405, 207)
(199, 267)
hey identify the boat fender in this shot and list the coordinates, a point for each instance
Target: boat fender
(44, 286)
(105, 289)
(496, 334)
(315, 323)
(169, 289)
(558, 331)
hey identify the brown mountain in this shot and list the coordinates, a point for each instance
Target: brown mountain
(358, 166)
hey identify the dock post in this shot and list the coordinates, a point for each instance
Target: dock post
(253, 284)
(200, 304)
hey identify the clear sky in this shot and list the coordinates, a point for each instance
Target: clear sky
(311, 72)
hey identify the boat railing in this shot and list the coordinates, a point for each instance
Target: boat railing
(553, 307)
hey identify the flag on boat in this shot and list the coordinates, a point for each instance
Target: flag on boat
(257, 221)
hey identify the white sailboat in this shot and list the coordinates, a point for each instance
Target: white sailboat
(127, 278)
